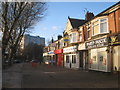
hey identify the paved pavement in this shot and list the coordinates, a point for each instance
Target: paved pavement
(46, 76)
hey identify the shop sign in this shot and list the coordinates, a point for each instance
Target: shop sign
(97, 43)
(70, 49)
(58, 51)
(66, 39)
(114, 40)
(51, 52)
(45, 54)
(81, 46)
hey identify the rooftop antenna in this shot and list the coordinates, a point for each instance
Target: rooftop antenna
(85, 10)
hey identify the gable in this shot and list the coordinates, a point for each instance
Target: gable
(68, 26)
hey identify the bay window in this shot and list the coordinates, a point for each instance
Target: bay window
(80, 36)
(88, 31)
(73, 37)
(99, 26)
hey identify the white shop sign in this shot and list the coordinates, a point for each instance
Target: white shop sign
(45, 54)
(81, 46)
(70, 49)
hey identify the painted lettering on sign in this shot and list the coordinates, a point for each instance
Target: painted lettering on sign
(97, 43)
(114, 40)
(70, 49)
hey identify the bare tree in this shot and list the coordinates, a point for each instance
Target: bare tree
(17, 18)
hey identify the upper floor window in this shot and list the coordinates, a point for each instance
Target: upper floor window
(103, 25)
(95, 26)
(99, 26)
(61, 43)
(88, 31)
(80, 36)
(73, 37)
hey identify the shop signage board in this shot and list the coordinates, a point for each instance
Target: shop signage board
(58, 51)
(114, 40)
(51, 52)
(81, 46)
(97, 43)
(70, 49)
(66, 39)
(45, 54)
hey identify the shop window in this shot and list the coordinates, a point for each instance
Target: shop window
(73, 58)
(94, 58)
(67, 59)
(101, 58)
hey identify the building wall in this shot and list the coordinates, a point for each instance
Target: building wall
(117, 20)
(34, 39)
(114, 21)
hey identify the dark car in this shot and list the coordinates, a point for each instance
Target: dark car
(17, 61)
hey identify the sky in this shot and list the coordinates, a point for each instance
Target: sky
(54, 22)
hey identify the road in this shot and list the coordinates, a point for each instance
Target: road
(47, 76)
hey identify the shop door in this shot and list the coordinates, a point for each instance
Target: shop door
(56, 59)
(115, 58)
(102, 60)
(81, 59)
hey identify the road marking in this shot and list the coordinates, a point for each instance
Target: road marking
(48, 72)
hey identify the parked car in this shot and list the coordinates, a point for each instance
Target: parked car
(36, 61)
(17, 61)
(6, 61)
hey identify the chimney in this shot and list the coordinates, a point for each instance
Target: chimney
(59, 37)
(52, 40)
(89, 15)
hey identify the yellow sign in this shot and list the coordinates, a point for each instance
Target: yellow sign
(66, 39)
(113, 39)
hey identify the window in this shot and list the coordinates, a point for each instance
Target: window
(103, 25)
(67, 59)
(73, 38)
(94, 58)
(99, 26)
(73, 58)
(80, 36)
(88, 31)
(95, 27)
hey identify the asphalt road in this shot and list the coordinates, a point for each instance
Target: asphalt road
(46, 76)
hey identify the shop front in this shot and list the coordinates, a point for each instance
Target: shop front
(45, 57)
(51, 57)
(98, 55)
(114, 42)
(71, 59)
(83, 56)
(59, 57)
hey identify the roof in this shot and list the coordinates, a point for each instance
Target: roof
(101, 13)
(118, 3)
(76, 22)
